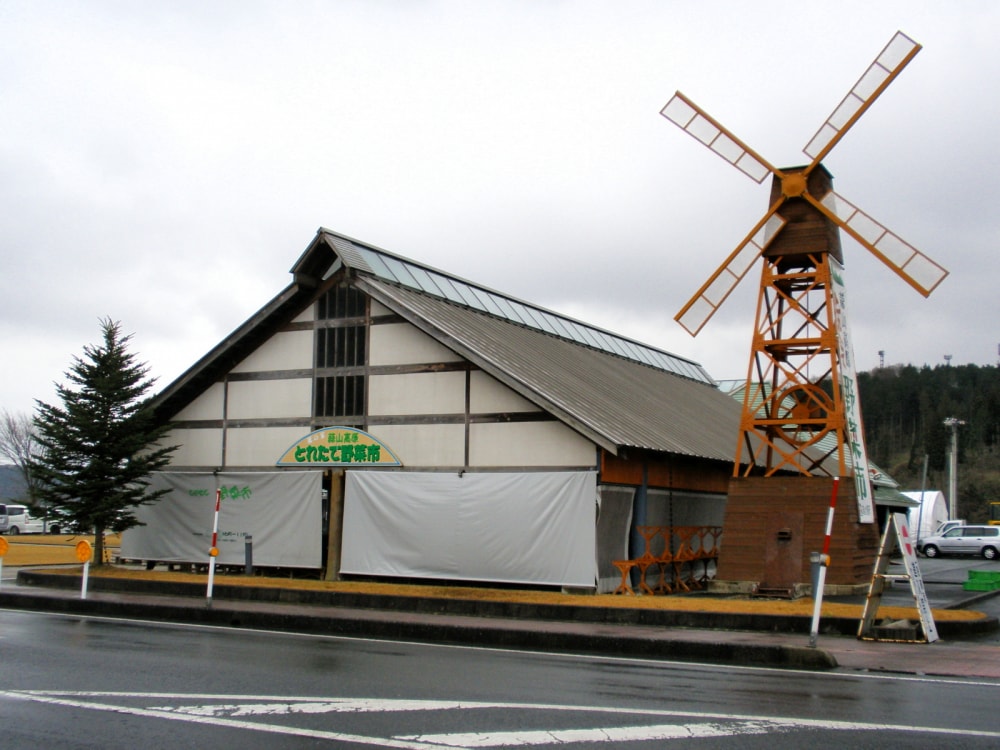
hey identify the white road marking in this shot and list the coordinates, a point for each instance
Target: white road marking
(230, 723)
(224, 707)
(601, 734)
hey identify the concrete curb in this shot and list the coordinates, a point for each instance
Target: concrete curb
(636, 641)
(517, 611)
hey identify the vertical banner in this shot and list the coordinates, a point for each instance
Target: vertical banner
(854, 432)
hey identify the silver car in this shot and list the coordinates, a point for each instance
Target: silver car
(964, 540)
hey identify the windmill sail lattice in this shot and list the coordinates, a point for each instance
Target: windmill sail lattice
(800, 372)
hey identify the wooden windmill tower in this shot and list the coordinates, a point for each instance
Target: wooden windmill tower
(801, 418)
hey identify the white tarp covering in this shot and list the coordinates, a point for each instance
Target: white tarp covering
(537, 528)
(932, 513)
(283, 511)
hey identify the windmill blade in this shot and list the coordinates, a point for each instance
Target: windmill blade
(694, 121)
(889, 64)
(702, 306)
(915, 268)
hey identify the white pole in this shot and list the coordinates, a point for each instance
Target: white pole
(83, 583)
(83, 553)
(824, 561)
(213, 551)
(953, 423)
(923, 489)
(3, 551)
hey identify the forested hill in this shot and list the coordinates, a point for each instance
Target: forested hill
(904, 409)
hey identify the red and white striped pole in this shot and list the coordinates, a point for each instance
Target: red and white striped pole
(824, 561)
(213, 551)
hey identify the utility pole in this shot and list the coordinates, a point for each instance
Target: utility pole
(952, 423)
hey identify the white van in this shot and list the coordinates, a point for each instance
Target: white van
(964, 540)
(13, 519)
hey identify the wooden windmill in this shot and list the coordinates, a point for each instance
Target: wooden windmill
(800, 411)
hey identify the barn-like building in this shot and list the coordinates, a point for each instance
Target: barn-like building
(452, 431)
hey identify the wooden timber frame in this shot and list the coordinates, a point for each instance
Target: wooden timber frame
(794, 430)
(790, 421)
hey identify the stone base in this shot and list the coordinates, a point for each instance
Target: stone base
(751, 588)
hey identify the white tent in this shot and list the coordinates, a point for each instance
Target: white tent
(932, 512)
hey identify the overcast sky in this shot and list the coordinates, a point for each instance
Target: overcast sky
(164, 164)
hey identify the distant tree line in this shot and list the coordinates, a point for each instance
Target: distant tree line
(904, 409)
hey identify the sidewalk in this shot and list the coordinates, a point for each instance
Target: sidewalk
(740, 638)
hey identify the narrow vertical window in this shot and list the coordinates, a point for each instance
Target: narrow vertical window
(341, 352)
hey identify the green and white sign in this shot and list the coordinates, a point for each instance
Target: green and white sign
(339, 446)
(854, 434)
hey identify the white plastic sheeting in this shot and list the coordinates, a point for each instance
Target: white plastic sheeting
(536, 528)
(932, 512)
(281, 510)
(613, 526)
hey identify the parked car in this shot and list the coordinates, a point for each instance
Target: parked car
(964, 540)
(947, 526)
(13, 518)
(33, 525)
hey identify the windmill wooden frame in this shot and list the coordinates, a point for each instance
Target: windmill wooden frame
(800, 411)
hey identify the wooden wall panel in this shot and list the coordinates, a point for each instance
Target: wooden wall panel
(749, 530)
(674, 472)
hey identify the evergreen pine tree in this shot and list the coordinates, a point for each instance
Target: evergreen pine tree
(101, 445)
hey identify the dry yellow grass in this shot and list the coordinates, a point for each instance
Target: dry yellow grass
(695, 603)
(48, 549)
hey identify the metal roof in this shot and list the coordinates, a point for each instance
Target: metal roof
(618, 392)
(404, 272)
(615, 401)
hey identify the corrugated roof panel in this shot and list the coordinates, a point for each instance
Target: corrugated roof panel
(624, 402)
(352, 254)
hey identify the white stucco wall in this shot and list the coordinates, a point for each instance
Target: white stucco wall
(260, 446)
(528, 444)
(543, 444)
(306, 316)
(488, 395)
(420, 393)
(402, 344)
(424, 445)
(207, 406)
(288, 350)
(197, 447)
(257, 399)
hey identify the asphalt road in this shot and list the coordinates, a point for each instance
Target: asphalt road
(71, 682)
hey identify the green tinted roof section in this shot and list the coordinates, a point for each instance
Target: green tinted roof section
(407, 273)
